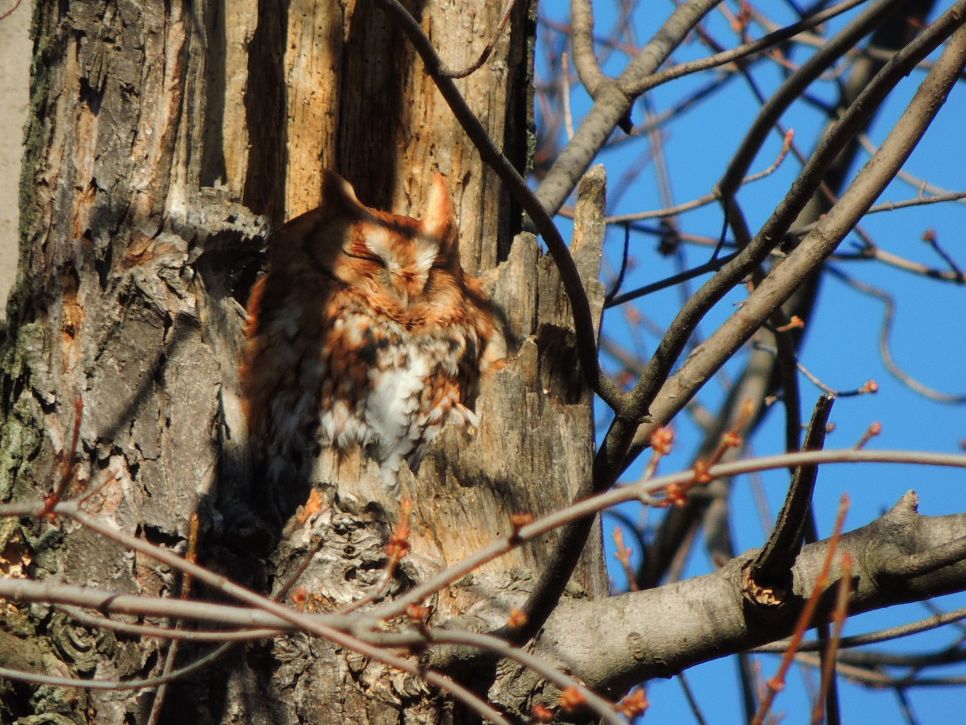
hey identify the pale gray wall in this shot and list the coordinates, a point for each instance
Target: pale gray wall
(15, 51)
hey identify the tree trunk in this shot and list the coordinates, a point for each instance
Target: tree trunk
(164, 140)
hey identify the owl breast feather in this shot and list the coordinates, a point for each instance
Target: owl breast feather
(365, 331)
(413, 388)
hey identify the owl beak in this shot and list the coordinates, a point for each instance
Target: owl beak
(400, 288)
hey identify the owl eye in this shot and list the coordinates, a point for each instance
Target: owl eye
(375, 259)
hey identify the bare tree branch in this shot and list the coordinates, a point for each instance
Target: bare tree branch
(883, 635)
(612, 101)
(583, 320)
(820, 243)
(643, 646)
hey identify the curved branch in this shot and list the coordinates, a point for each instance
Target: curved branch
(823, 240)
(645, 491)
(612, 101)
(793, 87)
(882, 635)
(885, 346)
(487, 49)
(777, 225)
(746, 49)
(775, 561)
(641, 640)
(517, 186)
(582, 38)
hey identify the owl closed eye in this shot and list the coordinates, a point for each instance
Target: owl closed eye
(365, 331)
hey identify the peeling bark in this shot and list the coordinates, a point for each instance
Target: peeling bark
(164, 141)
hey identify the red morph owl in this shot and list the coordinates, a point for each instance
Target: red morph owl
(364, 331)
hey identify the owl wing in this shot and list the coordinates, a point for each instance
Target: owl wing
(289, 314)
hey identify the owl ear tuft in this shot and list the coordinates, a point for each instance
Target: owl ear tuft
(438, 221)
(338, 191)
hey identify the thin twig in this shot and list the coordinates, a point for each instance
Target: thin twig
(710, 266)
(692, 700)
(827, 690)
(918, 183)
(68, 465)
(645, 491)
(885, 345)
(875, 678)
(869, 386)
(41, 679)
(488, 48)
(929, 237)
(191, 555)
(565, 95)
(603, 708)
(147, 630)
(623, 555)
(881, 635)
(746, 49)
(701, 200)
(567, 29)
(8, 13)
(608, 298)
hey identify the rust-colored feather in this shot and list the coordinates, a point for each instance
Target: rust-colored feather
(365, 331)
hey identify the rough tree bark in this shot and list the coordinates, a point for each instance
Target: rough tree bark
(164, 140)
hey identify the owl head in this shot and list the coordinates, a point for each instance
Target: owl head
(396, 257)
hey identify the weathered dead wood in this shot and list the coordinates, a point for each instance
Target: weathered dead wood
(164, 140)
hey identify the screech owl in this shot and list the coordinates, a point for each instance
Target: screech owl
(366, 331)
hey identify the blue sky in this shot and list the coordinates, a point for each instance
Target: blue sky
(928, 338)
